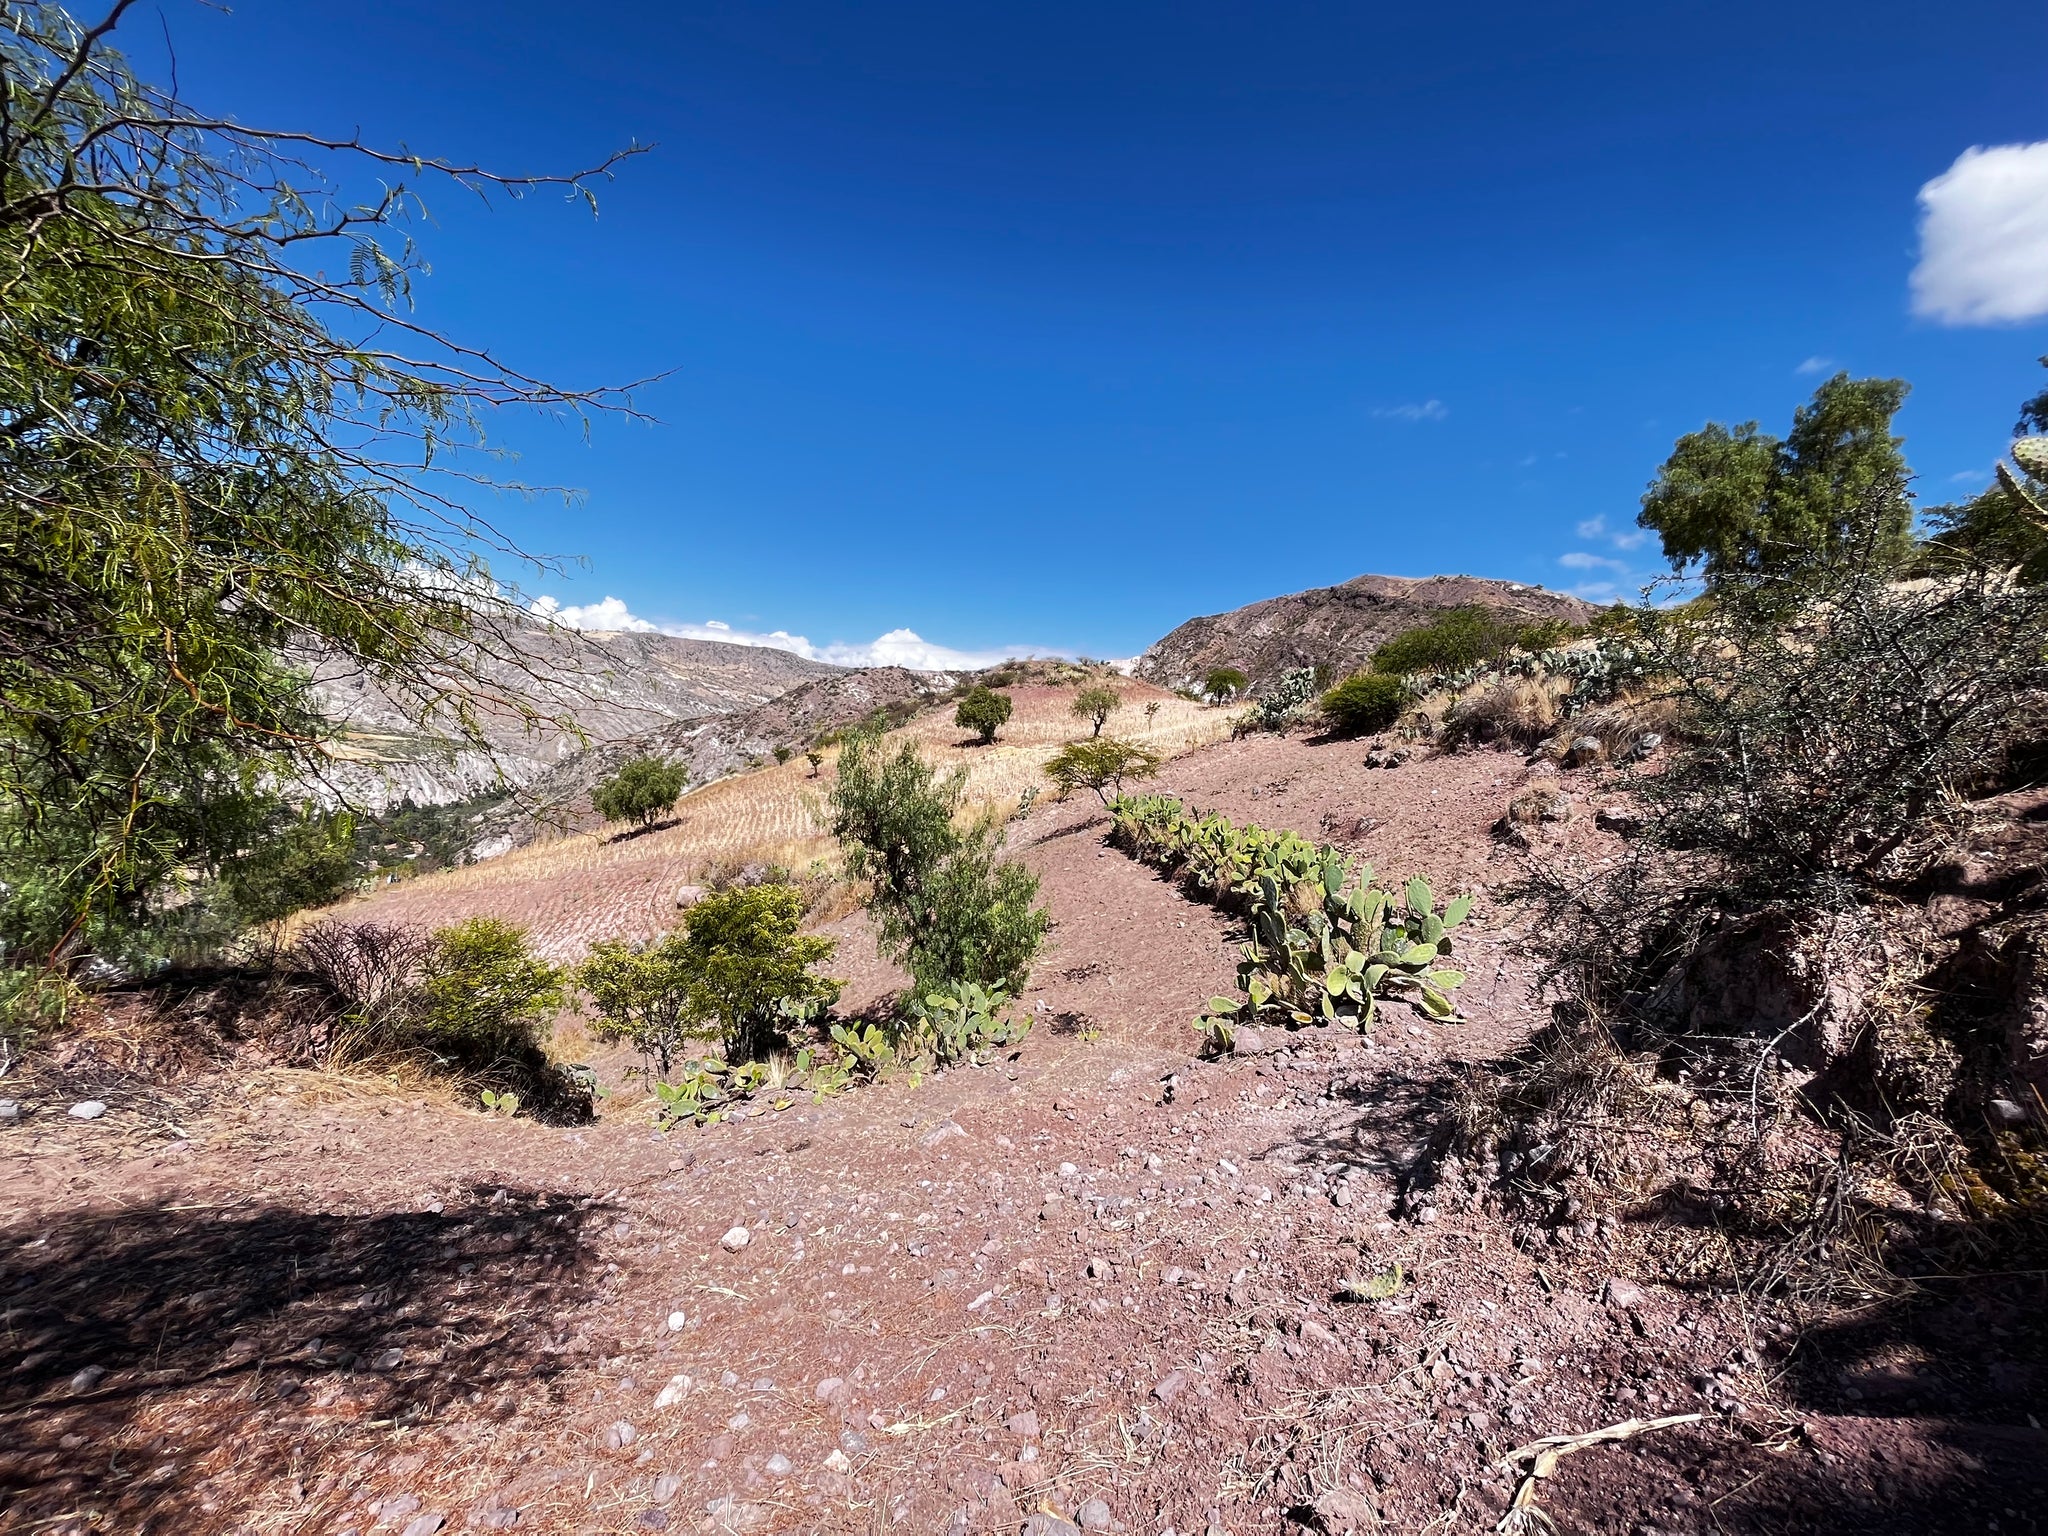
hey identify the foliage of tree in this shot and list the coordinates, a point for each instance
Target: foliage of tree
(984, 712)
(227, 450)
(1465, 637)
(1740, 500)
(1366, 702)
(2004, 525)
(947, 904)
(485, 992)
(1222, 684)
(1101, 764)
(641, 993)
(299, 859)
(746, 969)
(643, 790)
(1097, 703)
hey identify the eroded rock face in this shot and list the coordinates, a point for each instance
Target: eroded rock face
(1806, 985)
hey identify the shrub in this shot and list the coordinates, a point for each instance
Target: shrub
(373, 971)
(745, 969)
(946, 904)
(1101, 765)
(1224, 684)
(1366, 702)
(643, 790)
(1514, 711)
(984, 712)
(1097, 703)
(642, 995)
(485, 994)
(1460, 638)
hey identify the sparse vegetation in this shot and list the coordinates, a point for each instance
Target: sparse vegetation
(1096, 703)
(643, 791)
(984, 712)
(1102, 765)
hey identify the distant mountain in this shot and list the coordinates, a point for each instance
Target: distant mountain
(611, 685)
(1338, 627)
(712, 747)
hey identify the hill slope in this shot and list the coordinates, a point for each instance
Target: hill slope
(611, 685)
(1333, 626)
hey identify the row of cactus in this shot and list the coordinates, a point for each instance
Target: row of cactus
(1325, 941)
(706, 1090)
(1597, 669)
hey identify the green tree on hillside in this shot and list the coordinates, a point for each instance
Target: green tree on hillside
(946, 902)
(1101, 764)
(228, 450)
(984, 712)
(643, 790)
(1224, 684)
(1097, 702)
(1739, 499)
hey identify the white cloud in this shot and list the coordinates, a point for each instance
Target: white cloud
(898, 648)
(1428, 410)
(1969, 476)
(1815, 365)
(1984, 238)
(1593, 527)
(1586, 560)
(1633, 539)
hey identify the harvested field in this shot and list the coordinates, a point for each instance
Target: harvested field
(572, 891)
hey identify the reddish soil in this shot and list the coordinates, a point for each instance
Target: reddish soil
(1099, 1281)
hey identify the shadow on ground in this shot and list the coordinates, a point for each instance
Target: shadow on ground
(157, 1365)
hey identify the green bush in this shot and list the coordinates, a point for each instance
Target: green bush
(643, 790)
(641, 993)
(746, 970)
(984, 712)
(1459, 638)
(484, 993)
(1097, 703)
(300, 859)
(1101, 765)
(1366, 702)
(947, 905)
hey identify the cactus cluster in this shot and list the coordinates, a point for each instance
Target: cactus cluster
(707, 1090)
(1325, 941)
(1598, 669)
(959, 1023)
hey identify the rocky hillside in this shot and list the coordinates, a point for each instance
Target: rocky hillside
(610, 685)
(713, 746)
(1333, 626)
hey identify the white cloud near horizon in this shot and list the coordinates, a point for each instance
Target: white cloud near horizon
(1427, 410)
(1815, 365)
(1984, 238)
(1586, 560)
(897, 648)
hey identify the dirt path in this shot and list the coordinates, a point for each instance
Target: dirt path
(1099, 1282)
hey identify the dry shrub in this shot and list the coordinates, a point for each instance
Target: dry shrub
(1517, 712)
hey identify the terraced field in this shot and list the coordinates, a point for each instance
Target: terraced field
(574, 890)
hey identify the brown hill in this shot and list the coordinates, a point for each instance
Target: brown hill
(1337, 627)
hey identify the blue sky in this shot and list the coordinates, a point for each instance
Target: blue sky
(1050, 326)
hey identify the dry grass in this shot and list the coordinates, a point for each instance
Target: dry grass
(572, 891)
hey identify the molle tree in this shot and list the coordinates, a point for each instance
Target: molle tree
(948, 905)
(228, 452)
(1224, 684)
(1740, 501)
(642, 791)
(1097, 703)
(984, 712)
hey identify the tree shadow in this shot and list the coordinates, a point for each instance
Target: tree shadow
(151, 1358)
